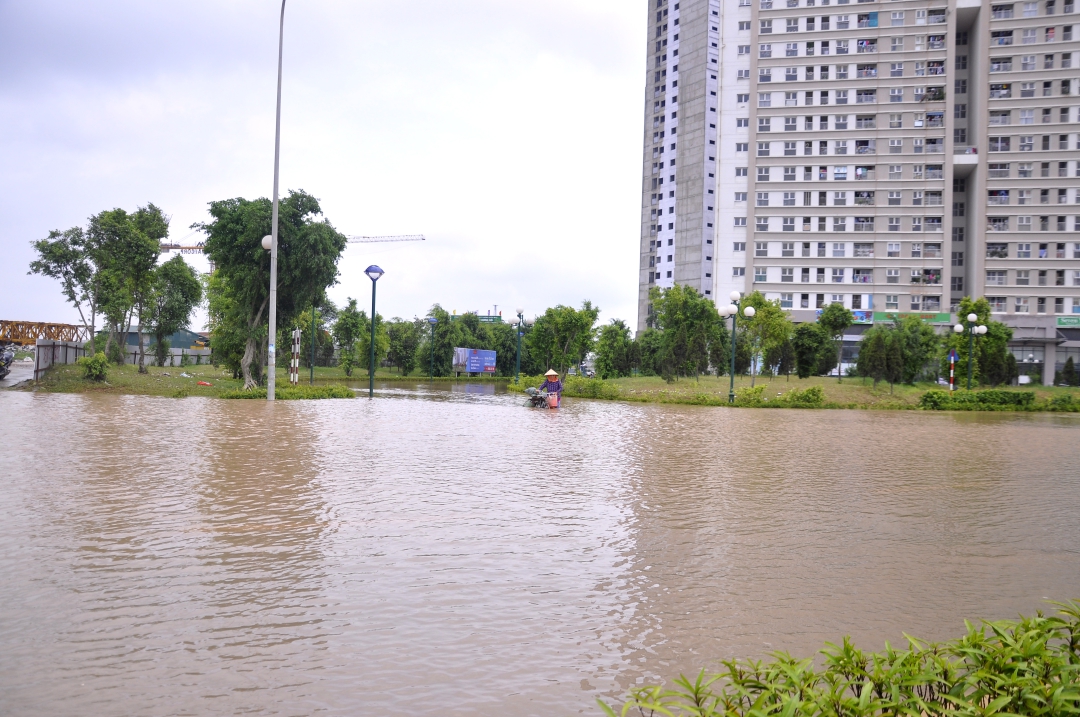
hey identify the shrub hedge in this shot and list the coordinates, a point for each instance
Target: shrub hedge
(994, 400)
(1029, 666)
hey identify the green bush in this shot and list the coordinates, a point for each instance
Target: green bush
(96, 367)
(750, 396)
(1029, 666)
(812, 397)
(988, 400)
(289, 393)
(1063, 402)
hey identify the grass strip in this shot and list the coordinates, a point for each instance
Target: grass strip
(292, 393)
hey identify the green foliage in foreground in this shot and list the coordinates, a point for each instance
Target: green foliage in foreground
(287, 393)
(1029, 666)
(96, 367)
(995, 400)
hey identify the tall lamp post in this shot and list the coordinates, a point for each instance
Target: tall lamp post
(732, 310)
(373, 273)
(432, 320)
(519, 330)
(973, 329)
(273, 248)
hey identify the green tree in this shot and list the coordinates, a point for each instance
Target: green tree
(614, 350)
(690, 326)
(325, 316)
(873, 361)
(991, 362)
(363, 341)
(308, 251)
(405, 337)
(563, 336)
(648, 348)
(1068, 373)
(808, 341)
(835, 320)
(66, 257)
(175, 292)
(347, 329)
(766, 331)
(919, 344)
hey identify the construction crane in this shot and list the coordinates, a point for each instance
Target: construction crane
(380, 239)
(198, 248)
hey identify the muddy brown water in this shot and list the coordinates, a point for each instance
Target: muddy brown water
(436, 552)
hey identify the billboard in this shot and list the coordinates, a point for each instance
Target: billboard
(474, 360)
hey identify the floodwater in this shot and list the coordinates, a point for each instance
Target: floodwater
(438, 552)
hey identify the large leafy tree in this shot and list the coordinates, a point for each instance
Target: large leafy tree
(919, 345)
(562, 336)
(126, 249)
(767, 331)
(347, 329)
(405, 337)
(991, 362)
(363, 342)
(175, 292)
(308, 251)
(691, 329)
(835, 320)
(65, 256)
(614, 350)
(808, 341)
(648, 350)
(107, 268)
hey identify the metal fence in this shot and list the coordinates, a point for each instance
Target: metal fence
(47, 353)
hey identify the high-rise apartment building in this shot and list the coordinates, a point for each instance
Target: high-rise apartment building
(892, 155)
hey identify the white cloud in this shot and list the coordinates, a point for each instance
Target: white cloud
(507, 133)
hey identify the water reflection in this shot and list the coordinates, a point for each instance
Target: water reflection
(438, 551)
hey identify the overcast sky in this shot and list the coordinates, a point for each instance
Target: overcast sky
(508, 133)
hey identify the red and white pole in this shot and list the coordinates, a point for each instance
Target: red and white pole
(294, 365)
(952, 373)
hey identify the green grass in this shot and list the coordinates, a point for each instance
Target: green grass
(779, 391)
(288, 393)
(705, 391)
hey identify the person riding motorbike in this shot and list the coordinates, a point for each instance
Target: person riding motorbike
(553, 385)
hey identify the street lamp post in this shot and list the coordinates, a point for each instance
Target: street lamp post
(373, 273)
(732, 310)
(432, 320)
(272, 352)
(312, 379)
(972, 329)
(520, 333)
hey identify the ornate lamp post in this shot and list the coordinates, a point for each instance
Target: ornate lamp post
(373, 273)
(732, 310)
(973, 329)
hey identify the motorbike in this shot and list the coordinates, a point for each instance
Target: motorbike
(541, 399)
(7, 356)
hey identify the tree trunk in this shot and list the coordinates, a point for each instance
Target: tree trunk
(142, 353)
(840, 361)
(245, 363)
(753, 371)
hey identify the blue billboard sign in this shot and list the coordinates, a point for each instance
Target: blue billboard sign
(478, 361)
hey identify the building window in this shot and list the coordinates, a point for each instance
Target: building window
(761, 249)
(760, 274)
